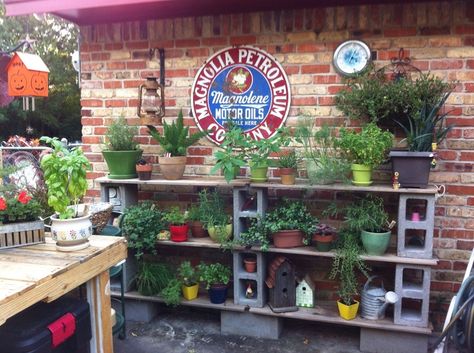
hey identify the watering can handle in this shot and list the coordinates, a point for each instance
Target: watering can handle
(370, 279)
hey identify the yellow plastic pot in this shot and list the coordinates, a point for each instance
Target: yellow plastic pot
(190, 292)
(348, 312)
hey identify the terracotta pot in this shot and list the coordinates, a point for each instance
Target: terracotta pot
(144, 171)
(288, 176)
(288, 238)
(172, 168)
(323, 242)
(197, 230)
(179, 233)
(250, 265)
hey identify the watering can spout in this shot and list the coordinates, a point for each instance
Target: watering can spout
(390, 298)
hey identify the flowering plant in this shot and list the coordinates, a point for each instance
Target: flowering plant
(18, 207)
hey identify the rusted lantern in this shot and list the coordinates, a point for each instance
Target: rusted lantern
(151, 99)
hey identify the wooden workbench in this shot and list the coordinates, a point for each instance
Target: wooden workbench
(37, 273)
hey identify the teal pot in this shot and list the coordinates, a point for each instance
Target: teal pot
(258, 172)
(413, 168)
(375, 243)
(121, 164)
(361, 175)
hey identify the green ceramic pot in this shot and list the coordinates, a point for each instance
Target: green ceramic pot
(361, 174)
(121, 164)
(375, 243)
(258, 172)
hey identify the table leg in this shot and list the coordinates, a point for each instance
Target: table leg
(98, 296)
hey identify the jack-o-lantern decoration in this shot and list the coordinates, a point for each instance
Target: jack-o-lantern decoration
(27, 76)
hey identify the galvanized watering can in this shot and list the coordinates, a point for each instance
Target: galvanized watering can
(375, 300)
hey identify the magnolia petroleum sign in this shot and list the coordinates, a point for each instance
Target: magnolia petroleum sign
(244, 85)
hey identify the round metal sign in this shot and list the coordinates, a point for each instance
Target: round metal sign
(244, 85)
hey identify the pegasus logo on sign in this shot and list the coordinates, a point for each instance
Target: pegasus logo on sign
(244, 85)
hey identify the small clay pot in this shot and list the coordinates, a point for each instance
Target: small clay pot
(144, 171)
(197, 229)
(288, 176)
(288, 238)
(323, 242)
(250, 265)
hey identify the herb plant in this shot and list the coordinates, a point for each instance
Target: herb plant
(120, 136)
(187, 274)
(65, 176)
(171, 294)
(288, 160)
(175, 139)
(153, 277)
(216, 273)
(368, 147)
(175, 216)
(140, 226)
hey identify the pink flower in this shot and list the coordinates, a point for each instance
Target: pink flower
(23, 197)
(3, 204)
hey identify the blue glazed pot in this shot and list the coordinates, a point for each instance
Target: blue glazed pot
(218, 293)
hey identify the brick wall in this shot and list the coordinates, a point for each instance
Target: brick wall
(438, 36)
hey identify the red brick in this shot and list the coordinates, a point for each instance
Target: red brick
(460, 121)
(326, 100)
(469, 87)
(93, 193)
(389, 54)
(400, 32)
(132, 83)
(115, 103)
(243, 40)
(112, 84)
(460, 190)
(136, 65)
(113, 46)
(467, 156)
(100, 56)
(217, 42)
(334, 89)
(443, 265)
(470, 64)
(94, 175)
(465, 29)
(447, 155)
(470, 201)
(304, 101)
(92, 121)
(90, 47)
(94, 157)
(441, 286)
(101, 130)
(455, 133)
(91, 102)
(310, 48)
(177, 73)
(186, 43)
(194, 160)
(435, 31)
(291, 69)
(325, 79)
(314, 69)
(446, 64)
(459, 266)
(162, 43)
(465, 245)
(200, 151)
(469, 41)
(116, 65)
(468, 133)
(458, 233)
(144, 44)
(92, 139)
(196, 52)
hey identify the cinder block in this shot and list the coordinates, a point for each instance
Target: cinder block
(427, 224)
(382, 341)
(120, 195)
(242, 278)
(139, 310)
(246, 324)
(241, 211)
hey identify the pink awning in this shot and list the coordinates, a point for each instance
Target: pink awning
(105, 11)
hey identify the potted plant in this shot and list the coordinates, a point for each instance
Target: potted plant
(288, 164)
(345, 264)
(290, 225)
(141, 224)
(143, 169)
(366, 150)
(217, 278)
(178, 225)
(153, 277)
(189, 278)
(323, 237)
(65, 176)
(122, 152)
(174, 141)
(195, 223)
(214, 217)
(250, 263)
(424, 131)
(324, 163)
(368, 218)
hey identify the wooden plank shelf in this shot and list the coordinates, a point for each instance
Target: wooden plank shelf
(304, 250)
(323, 312)
(301, 184)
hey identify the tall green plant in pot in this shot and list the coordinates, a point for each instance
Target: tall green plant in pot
(122, 152)
(174, 140)
(65, 176)
(217, 278)
(366, 150)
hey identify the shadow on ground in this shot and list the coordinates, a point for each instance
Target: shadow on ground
(187, 330)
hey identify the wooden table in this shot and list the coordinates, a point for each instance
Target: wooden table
(37, 273)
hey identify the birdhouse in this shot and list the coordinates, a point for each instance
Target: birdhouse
(305, 291)
(281, 282)
(27, 76)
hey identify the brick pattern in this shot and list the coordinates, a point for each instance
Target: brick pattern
(438, 36)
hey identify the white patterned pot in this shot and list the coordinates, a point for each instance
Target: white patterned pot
(71, 234)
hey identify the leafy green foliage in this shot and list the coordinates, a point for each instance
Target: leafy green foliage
(171, 294)
(369, 147)
(373, 96)
(214, 274)
(18, 207)
(175, 216)
(289, 215)
(426, 127)
(120, 136)
(345, 264)
(140, 226)
(60, 113)
(175, 139)
(65, 176)
(324, 161)
(288, 160)
(187, 274)
(365, 214)
(152, 277)
(212, 209)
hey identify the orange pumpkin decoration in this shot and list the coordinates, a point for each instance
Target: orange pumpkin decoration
(27, 76)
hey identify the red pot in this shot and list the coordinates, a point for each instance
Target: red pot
(288, 238)
(179, 233)
(197, 230)
(250, 265)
